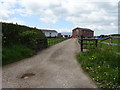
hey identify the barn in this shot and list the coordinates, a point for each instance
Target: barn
(78, 32)
(50, 33)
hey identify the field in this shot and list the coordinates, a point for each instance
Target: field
(113, 40)
(53, 41)
(111, 47)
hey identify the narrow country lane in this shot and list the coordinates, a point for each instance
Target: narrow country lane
(54, 67)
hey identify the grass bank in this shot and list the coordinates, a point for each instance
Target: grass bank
(102, 66)
(15, 53)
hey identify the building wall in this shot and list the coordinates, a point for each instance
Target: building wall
(87, 33)
(73, 33)
(50, 34)
(79, 32)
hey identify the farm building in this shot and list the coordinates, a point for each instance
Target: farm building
(78, 32)
(50, 33)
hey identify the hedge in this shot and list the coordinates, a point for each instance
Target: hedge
(19, 34)
(19, 42)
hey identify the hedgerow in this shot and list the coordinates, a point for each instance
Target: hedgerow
(19, 35)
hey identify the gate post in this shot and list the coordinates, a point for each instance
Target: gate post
(81, 44)
(96, 42)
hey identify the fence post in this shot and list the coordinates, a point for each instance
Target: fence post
(96, 41)
(46, 42)
(81, 44)
(110, 40)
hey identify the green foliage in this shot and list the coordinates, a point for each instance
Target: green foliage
(15, 53)
(102, 65)
(30, 40)
(17, 34)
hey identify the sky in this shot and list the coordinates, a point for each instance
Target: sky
(63, 15)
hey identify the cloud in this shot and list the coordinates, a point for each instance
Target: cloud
(71, 10)
(94, 14)
(7, 8)
(14, 20)
(48, 20)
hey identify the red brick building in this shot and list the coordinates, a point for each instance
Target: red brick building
(78, 32)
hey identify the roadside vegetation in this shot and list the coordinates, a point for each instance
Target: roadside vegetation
(15, 53)
(102, 65)
(19, 42)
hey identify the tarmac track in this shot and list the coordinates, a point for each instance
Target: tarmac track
(54, 67)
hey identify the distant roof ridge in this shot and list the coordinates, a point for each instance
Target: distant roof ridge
(83, 28)
(48, 30)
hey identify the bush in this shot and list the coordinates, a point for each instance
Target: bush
(19, 42)
(17, 34)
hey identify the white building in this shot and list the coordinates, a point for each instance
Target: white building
(50, 33)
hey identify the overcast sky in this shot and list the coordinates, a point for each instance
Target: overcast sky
(63, 15)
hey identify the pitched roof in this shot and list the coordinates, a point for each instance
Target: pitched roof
(85, 29)
(45, 30)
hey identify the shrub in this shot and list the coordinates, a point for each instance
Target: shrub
(18, 34)
(30, 40)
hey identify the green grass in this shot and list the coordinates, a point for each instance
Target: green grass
(15, 53)
(111, 47)
(53, 41)
(102, 66)
(18, 52)
(113, 40)
(90, 44)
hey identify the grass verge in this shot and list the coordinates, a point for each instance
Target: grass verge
(102, 66)
(15, 53)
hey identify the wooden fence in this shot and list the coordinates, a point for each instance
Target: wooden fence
(47, 42)
(115, 47)
(110, 41)
(87, 42)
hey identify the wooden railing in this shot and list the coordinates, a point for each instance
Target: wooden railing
(110, 41)
(86, 41)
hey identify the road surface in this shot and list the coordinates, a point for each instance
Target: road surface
(54, 67)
